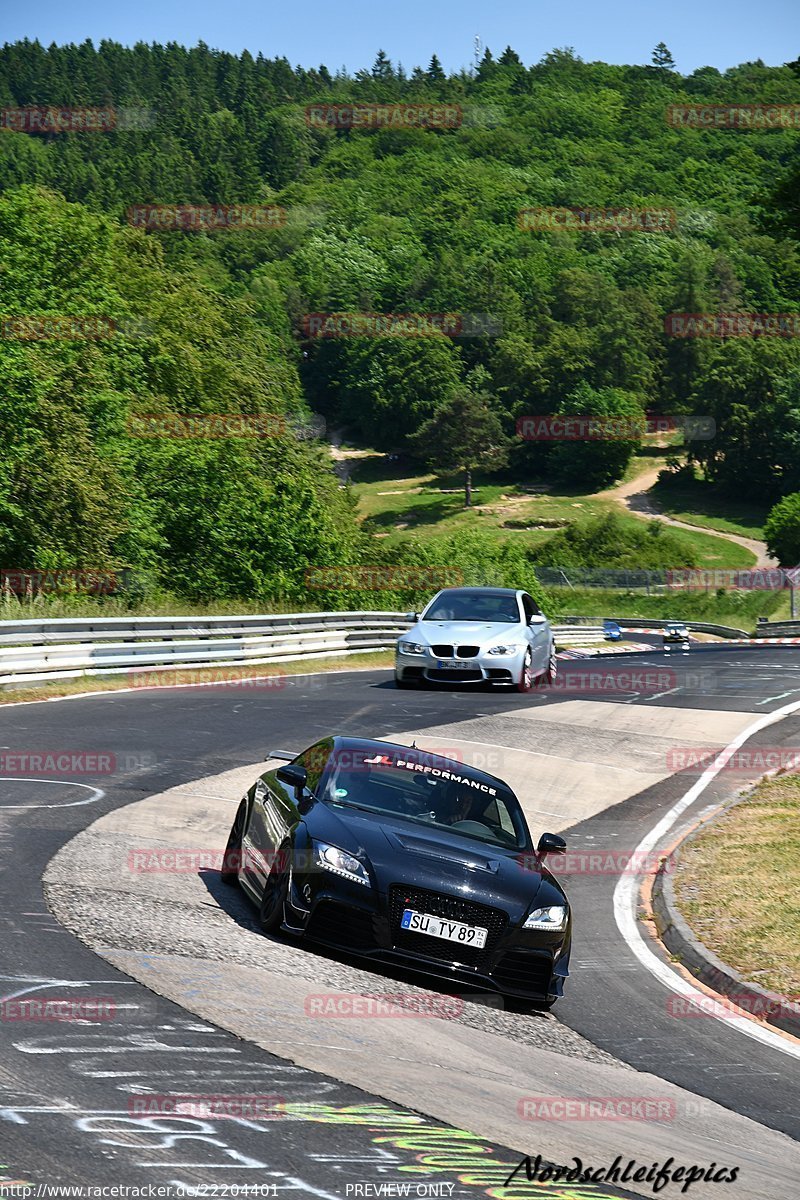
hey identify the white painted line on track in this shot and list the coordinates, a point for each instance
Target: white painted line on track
(97, 793)
(627, 890)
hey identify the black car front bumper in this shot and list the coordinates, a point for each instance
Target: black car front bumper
(528, 964)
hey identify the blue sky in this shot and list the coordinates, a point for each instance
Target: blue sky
(698, 32)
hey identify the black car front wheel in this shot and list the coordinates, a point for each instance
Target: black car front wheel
(232, 858)
(273, 899)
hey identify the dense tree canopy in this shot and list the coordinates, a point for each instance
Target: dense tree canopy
(388, 216)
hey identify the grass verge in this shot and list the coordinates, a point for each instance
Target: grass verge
(738, 886)
(396, 506)
(233, 677)
(699, 503)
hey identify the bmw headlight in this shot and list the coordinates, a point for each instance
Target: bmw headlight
(511, 648)
(553, 918)
(412, 648)
(331, 858)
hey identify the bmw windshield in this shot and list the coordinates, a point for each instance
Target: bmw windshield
(435, 795)
(471, 606)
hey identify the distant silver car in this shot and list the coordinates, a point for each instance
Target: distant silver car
(675, 632)
(477, 635)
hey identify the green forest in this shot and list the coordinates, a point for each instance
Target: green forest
(385, 217)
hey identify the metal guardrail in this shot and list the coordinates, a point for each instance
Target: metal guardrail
(778, 629)
(32, 651)
(578, 635)
(726, 631)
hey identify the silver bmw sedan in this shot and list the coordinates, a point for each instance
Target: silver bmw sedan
(477, 635)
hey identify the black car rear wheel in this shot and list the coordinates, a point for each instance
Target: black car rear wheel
(270, 914)
(232, 858)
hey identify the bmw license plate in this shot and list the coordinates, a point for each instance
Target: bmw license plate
(451, 931)
(454, 664)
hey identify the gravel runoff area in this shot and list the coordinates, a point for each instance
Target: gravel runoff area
(196, 917)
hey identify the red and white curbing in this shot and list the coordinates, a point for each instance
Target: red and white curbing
(612, 648)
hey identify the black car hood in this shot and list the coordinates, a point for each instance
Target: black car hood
(409, 853)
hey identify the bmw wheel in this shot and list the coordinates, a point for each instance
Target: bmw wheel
(525, 681)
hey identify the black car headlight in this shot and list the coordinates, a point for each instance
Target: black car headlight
(331, 858)
(553, 918)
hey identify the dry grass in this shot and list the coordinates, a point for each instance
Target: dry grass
(218, 674)
(738, 885)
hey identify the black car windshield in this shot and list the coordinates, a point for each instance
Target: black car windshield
(429, 794)
(474, 606)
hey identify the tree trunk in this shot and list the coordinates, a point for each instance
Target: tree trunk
(468, 488)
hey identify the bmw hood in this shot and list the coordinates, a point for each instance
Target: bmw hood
(460, 632)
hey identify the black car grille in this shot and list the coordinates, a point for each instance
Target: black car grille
(452, 908)
(525, 971)
(342, 925)
(442, 651)
(468, 651)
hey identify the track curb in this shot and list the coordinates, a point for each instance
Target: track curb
(676, 934)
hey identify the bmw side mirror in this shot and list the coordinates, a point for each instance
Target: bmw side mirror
(550, 843)
(295, 777)
(537, 619)
(412, 616)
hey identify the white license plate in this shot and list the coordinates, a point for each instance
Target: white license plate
(454, 664)
(451, 931)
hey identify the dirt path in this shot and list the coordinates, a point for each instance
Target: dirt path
(344, 460)
(635, 496)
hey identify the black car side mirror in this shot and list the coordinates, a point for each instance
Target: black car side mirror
(551, 843)
(412, 616)
(295, 777)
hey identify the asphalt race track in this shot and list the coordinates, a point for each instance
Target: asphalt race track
(66, 1088)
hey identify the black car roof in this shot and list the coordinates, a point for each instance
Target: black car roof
(430, 756)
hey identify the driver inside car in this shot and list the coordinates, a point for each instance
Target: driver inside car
(463, 809)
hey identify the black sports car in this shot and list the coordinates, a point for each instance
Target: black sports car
(406, 857)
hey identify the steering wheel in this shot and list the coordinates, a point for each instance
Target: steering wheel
(476, 827)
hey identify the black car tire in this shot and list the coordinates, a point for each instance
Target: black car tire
(550, 674)
(231, 859)
(270, 913)
(404, 684)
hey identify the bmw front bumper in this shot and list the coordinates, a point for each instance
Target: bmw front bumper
(481, 667)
